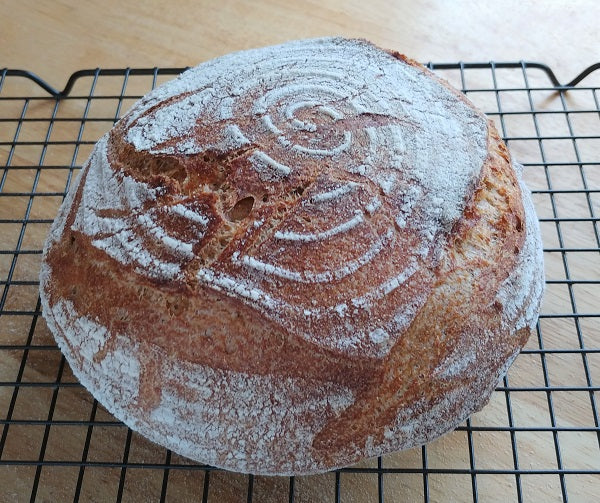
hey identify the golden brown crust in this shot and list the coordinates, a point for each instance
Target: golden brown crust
(226, 221)
(460, 312)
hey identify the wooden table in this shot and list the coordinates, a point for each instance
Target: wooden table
(56, 38)
(53, 39)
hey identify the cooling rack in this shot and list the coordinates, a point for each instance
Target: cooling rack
(537, 440)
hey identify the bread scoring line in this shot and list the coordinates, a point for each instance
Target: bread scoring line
(310, 277)
(193, 216)
(357, 219)
(342, 190)
(244, 289)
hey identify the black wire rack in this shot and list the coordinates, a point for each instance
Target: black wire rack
(537, 440)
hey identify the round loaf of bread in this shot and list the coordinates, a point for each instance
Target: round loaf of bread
(292, 258)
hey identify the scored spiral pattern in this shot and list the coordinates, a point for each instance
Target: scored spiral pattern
(387, 166)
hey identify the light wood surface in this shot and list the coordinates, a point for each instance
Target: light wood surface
(54, 39)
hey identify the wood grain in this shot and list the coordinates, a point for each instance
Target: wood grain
(54, 39)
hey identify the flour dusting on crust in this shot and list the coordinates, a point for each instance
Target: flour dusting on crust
(187, 418)
(340, 102)
(252, 267)
(518, 289)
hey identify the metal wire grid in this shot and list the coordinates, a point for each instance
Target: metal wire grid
(37, 389)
